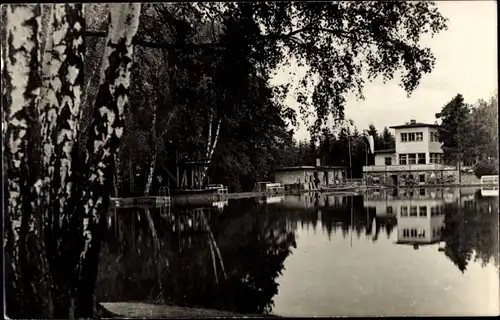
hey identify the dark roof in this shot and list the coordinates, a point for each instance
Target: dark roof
(385, 151)
(415, 125)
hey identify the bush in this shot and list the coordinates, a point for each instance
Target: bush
(485, 168)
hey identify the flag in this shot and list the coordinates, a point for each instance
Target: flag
(371, 143)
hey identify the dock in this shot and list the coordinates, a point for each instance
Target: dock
(149, 201)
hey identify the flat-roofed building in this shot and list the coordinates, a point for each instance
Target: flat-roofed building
(418, 159)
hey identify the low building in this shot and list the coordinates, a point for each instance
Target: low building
(311, 177)
(418, 159)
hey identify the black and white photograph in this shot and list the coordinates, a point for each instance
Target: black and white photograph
(262, 159)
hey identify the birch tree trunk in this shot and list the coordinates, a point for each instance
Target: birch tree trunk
(60, 114)
(211, 149)
(154, 152)
(45, 253)
(27, 278)
(103, 144)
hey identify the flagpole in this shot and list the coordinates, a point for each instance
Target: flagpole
(350, 162)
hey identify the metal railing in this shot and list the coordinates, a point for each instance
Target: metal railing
(221, 189)
(164, 191)
(489, 180)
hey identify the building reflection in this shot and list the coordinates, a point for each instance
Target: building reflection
(419, 212)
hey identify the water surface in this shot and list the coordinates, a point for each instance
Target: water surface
(401, 252)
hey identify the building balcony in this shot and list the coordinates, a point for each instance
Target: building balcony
(407, 167)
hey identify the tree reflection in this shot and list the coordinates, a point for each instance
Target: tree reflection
(337, 216)
(471, 232)
(253, 241)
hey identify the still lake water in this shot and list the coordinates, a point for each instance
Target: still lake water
(401, 252)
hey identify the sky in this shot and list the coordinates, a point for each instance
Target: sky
(466, 63)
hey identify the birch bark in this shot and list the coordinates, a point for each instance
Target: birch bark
(27, 277)
(154, 153)
(210, 151)
(103, 143)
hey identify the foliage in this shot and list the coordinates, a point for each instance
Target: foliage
(379, 38)
(486, 168)
(485, 128)
(469, 132)
(455, 128)
(388, 140)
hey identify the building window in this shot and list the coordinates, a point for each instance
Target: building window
(404, 211)
(388, 161)
(412, 158)
(413, 211)
(421, 158)
(419, 136)
(413, 233)
(436, 158)
(406, 233)
(389, 210)
(410, 177)
(412, 136)
(422, 211)
(404, 137)
(422, 192)
(402, 159)
(421, 178)
(434, 137)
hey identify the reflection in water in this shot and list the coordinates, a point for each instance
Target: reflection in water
(232, 256)
(207, 259)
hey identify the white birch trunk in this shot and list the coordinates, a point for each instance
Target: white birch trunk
(103, 142)
(61, 104)
(27, 275)
(210, 154)
(152, 165)
(112, 98)
(209, 141)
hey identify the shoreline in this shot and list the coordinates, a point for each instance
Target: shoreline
(211, 198)
(141, 310)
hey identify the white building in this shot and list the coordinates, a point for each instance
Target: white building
(416, 160)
